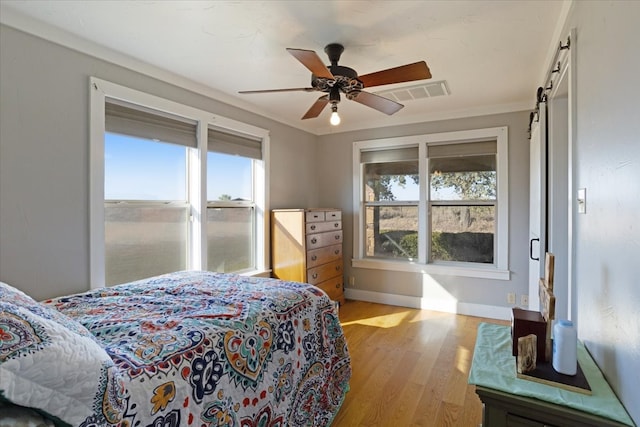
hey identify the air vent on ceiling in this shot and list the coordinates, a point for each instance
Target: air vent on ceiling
(424, 90)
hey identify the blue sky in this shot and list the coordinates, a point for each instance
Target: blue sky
(411, 191)
(139, 169)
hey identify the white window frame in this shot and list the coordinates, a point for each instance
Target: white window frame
(101, 90)
(499, 269)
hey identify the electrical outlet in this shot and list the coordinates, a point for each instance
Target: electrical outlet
(524, 300)
(511, 298)
(352, 281)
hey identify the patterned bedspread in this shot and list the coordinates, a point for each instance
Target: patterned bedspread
(208, 349)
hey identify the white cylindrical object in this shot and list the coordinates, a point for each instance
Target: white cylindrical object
(565, 347)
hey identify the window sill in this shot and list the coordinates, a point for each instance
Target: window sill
(480, 272)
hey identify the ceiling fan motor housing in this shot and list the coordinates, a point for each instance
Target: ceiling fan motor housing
(346, 79)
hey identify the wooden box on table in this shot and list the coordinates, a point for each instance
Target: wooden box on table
(525, 322)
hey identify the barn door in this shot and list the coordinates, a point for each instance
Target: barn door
(537, 202)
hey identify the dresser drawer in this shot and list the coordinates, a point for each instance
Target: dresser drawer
(324, 255)
(320, 240)
(314, 216)
(332, 287)
(333, 215)
(318, 227)
(324, 272)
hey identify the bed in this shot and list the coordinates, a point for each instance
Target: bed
(182, 349)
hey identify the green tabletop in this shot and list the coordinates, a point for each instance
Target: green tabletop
(494, 367)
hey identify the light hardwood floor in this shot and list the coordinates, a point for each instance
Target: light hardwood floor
(409, 367)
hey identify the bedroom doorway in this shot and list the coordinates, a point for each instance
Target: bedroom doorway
(558, 193)
(552, 193)
(562, 189)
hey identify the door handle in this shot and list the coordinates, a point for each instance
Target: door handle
(531, 249)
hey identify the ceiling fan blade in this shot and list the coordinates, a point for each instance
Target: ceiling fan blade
(294, 89)
(377, 102)
(316, 108)
(312, 61)
(404, 73)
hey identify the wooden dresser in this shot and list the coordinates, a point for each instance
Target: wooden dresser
(306, 246)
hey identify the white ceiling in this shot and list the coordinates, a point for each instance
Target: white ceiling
(493, 54)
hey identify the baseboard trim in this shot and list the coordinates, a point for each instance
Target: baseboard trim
(447, 306)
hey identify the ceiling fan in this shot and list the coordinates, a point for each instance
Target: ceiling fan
(335, 79)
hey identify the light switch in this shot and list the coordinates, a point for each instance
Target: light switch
(582, 200)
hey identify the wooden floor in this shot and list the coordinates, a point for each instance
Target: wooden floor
(410, 367)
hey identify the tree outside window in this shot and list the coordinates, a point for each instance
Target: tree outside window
(462, 208)
(461, 199)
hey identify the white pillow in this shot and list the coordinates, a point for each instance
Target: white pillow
(52, 363)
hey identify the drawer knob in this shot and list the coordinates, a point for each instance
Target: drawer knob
(313, 258)
(313, 227)
(337, 285)
(337, 251)
(315, 275)
(337, 236)
(337, 268)
(314, 240)
(336, 225)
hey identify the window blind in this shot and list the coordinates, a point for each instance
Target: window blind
(464, 157)
(141, 122)
(463, 149)
(238, 144)
(391, 155)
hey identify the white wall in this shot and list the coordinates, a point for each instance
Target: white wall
(468, 295)
(44, 159)
(607, 164)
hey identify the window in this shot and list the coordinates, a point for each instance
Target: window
(462, 202)
(433, 203)
(145, 210)
(230, 202)
(391, 193)
(172, 188)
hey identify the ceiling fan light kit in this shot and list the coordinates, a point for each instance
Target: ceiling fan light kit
(335, 118)
(334, 99)
(336, 79)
